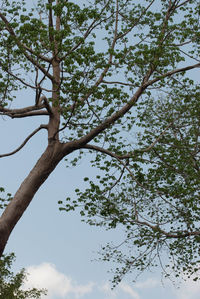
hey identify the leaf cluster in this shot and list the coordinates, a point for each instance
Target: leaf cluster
(11, 284)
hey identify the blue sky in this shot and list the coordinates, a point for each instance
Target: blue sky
(55, 247)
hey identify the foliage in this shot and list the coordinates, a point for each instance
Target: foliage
(4, 200)
(11, 285)
(115, 84)
(157, 200)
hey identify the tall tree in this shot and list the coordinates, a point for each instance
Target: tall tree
(89, 64)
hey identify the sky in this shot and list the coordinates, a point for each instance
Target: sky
(59, 251)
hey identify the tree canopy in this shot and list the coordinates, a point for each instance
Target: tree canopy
(114, 80)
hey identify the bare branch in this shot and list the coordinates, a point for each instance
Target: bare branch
(104, 151)
(183, 3)
(24, 142)
(24, 112)
(27, 114)
(117, 82)
(21, 110)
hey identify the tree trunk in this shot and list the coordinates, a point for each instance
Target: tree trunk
(15, 209)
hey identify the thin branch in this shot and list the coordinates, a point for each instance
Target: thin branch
(21, 46)
(25, 83)
(136, 22)
(117, 82)
(24, 142)
(87, 33)
(118, 157)
(11, 31)
(170, 73)
(169, 235)
(183, 3)
(188, 55)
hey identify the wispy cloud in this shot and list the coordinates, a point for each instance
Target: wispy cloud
(120, 289)
(147, 284)
(189, 289)
(129, 290)
(106, 289)
(58, 284)
(63, 286)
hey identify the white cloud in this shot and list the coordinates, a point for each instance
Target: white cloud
(106, 288)
(116, 293)
(147, 284)
(129, 290)
(58, 284)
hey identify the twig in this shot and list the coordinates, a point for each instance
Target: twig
(25, 141)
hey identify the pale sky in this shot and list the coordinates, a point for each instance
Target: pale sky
(55, 247)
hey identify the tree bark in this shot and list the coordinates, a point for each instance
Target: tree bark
(38, 175)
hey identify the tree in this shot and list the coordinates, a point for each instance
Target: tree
(90, 65)
(11, 285)
(157, 200)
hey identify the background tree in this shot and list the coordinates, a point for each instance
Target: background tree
(89, 65)
(11, 285)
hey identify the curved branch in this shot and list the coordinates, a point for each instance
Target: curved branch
(24, 142)
(103, 151)
(27, 111)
